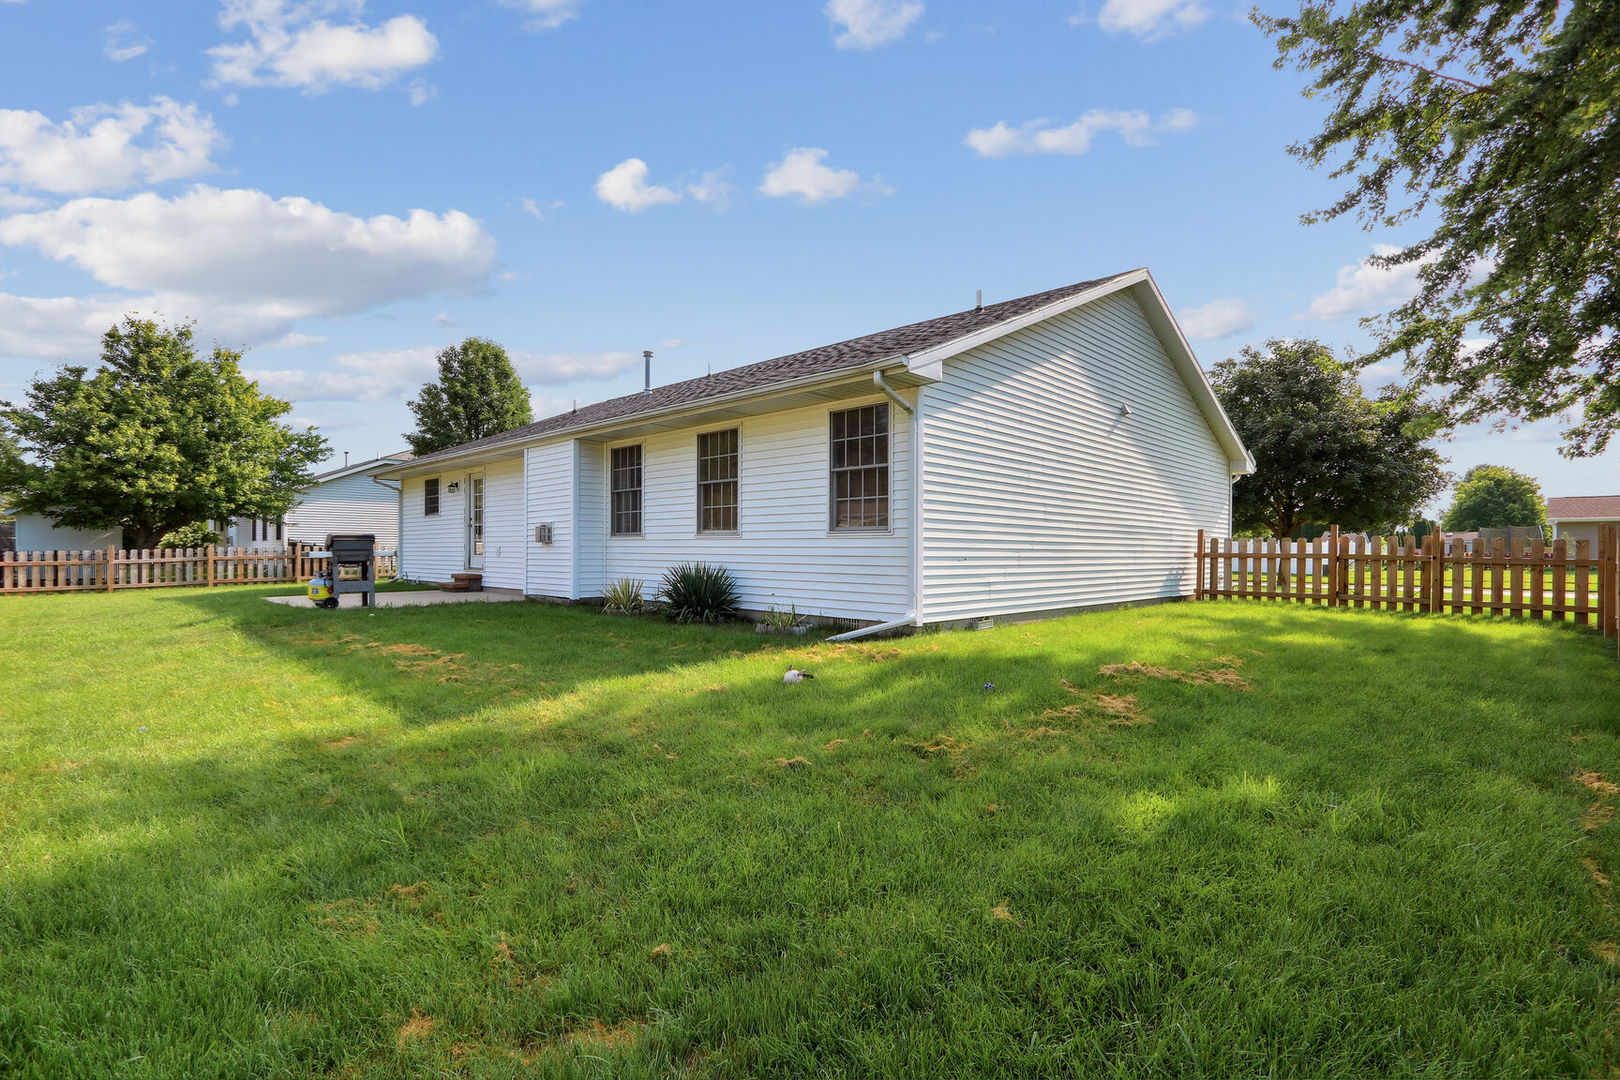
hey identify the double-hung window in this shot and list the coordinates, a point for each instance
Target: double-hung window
(860, 468)
(624, 471)
(430, 497)
(717, 481)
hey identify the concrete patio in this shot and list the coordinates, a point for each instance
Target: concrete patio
(415, 598)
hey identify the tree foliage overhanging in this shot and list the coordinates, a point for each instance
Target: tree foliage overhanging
(154, 439)
(1324, 451)
(1499, 123)
(478, 394)
(1495, 497)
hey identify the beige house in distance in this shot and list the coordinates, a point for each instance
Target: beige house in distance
(1578, 517)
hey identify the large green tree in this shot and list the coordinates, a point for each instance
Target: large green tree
(478, 394)
(1496, 127)
(1495, 497)
(1324, 450)
(155, 438)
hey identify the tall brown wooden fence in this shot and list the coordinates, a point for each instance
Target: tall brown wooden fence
(110, 569)
(1528, 579)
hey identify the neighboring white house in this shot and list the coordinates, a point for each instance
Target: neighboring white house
(1578, 517)
(345, 500)
(1055, 451)
(36, 533)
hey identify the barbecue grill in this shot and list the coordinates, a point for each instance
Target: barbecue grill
(358, 550)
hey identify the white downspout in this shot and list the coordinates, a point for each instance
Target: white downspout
(910, 617)
(399, 524)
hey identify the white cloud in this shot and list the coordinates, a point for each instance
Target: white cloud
(295, 341)
(1135, 128)
(57, 328)
(11, 201)
(1148, 19)
(866, 24)
(397, 374)
(801, 174)
(624, 187)
(244, 264)
(544, 14)
(1364, 287)
(124, 41)
(106, 147)
(292, 44)
(1216, 319)
(712, 188)
(556, 369)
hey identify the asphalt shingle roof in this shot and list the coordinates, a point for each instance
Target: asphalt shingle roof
(1583, 506)
(767, 373)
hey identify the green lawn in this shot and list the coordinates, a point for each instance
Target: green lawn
(238, 839)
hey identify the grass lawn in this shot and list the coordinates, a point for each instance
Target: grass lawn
(238, 839)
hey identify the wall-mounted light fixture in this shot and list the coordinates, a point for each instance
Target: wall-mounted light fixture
(1124, 410)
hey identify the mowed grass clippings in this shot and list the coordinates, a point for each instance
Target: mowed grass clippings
(513, 840)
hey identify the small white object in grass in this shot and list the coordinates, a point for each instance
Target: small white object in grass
(795, 675)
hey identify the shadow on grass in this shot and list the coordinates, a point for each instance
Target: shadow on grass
(949, 871)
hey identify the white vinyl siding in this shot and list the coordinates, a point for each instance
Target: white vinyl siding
(353, 504)
(1040, 494)
(590, 518)
(1572, 531)
(783, 552)
(551, 502)
(504, 548)
(36, 533)
(435, 547)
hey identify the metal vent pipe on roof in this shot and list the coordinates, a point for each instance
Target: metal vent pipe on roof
(978, 299)
(646, 360)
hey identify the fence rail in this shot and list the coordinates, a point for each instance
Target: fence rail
(110, 569)
(1524, 579)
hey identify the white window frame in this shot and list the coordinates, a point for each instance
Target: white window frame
(886, 466)
(640, 490)
(438, 496)
(736, 480)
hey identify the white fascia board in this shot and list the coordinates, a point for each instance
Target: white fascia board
(1582, 520)
(929, 363)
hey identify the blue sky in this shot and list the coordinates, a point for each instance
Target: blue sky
(345, 187)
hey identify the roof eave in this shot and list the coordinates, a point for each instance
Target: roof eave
(422, 466)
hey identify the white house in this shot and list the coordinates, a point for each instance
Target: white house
(346, 500)
(1056, 451)
(36, 532)
(1578, 517)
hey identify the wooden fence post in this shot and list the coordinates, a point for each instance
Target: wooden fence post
(1198, 590)
(211, 549)
(1608, 576)
(1335, 567)
(112, 561)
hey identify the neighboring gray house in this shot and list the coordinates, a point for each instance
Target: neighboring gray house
(346, 500)
(37, 533)
(1577, 517)
(1056, 451)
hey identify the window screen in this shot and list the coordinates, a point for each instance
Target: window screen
(430, 496)
(625, 470)
(717, 481)
(860, 468)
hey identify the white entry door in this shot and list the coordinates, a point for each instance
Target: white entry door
(475, 521)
